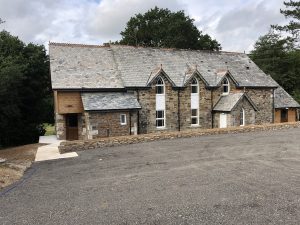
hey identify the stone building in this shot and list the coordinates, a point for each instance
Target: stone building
(114, 90)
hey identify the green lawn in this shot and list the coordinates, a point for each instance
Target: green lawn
(50, 129)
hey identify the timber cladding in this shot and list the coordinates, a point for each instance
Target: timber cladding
(68, 102)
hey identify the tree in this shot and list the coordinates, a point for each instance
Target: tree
(24, 90)
(163, 28)
(293, 27)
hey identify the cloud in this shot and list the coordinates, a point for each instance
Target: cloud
(110, 16)
(236, 24)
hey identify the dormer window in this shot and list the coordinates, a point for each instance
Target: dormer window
(160, 86)
(226, 86)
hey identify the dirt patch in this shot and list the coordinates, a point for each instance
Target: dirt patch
(17, 160)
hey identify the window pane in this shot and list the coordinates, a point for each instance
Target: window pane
(160, 114)
(194, 112)
(194, 89)
(225, 88)
(159, 89)
(194, 120)
(160, 123)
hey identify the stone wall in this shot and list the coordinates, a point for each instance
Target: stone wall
(263, 99)
(249, 114)
(108, 124)
(70, 146)
(60, 126)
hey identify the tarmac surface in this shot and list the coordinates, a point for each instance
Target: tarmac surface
(251, 178)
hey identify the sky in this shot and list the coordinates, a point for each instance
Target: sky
(236, 24)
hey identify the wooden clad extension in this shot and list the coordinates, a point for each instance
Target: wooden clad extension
(68, 102)
(285, 115)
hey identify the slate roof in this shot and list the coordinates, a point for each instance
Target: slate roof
(284, 100)
(109, 101)
(117, 66)
(228, 102)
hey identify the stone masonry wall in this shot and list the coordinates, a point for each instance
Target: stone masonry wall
(234, 119)
(70, 146)
(108, 124)
(263, 99)
(60, 126)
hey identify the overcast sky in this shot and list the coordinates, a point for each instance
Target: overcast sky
(236, 24)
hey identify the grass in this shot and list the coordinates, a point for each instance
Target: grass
(50, 129)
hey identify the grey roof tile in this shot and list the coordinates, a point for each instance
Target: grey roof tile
(228, 102)
(109, 101)
(284, 100)
(77, 66)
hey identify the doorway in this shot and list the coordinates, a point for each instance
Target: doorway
(71, 127)
(284, 115)
(223, 120)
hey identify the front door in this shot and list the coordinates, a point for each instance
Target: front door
(223, 120)
(71, 127)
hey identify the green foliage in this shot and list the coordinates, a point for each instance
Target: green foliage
(279, 55)
(163, 28)
(292, 12)
(25, 94)
(276, 56)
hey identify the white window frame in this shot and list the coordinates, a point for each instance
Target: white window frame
(121, 120)
(194, 101)
(193, 117)
(225, 83)
(193, 84)
(242, 117)
(160, 118)
(158, 84)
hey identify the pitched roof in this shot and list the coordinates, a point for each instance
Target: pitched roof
(228, 102)
(77, 67)
(116, 66)
(109, 101)
(284, 100)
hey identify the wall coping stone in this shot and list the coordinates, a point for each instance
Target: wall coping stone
(81, 145)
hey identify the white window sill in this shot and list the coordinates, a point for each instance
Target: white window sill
(161, 128)
(224, 94)
(195, 125)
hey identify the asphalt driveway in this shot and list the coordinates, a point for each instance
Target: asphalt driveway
(249, 178)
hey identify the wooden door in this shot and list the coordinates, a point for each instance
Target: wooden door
(71, 127)
(284, 115)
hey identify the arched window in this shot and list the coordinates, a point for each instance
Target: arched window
(226, 86)
(194, 86)
(242, 117)
(160, 86)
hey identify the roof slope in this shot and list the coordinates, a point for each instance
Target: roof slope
(284, 100)
(228, 102)
(109, 101)
(77, 66)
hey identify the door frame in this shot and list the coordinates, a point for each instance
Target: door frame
(71, 126)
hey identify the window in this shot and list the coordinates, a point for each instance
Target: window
(226, 86)
(160, 118)
(123, 119)
(194, 117)
(194, 85)
(242, 117)
(160, 86)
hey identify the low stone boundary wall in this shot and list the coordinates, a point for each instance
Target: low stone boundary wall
(71, 146)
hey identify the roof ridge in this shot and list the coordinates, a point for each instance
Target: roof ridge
(179, 49)
(77, 45)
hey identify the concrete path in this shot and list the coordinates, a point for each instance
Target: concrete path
(50, 151)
